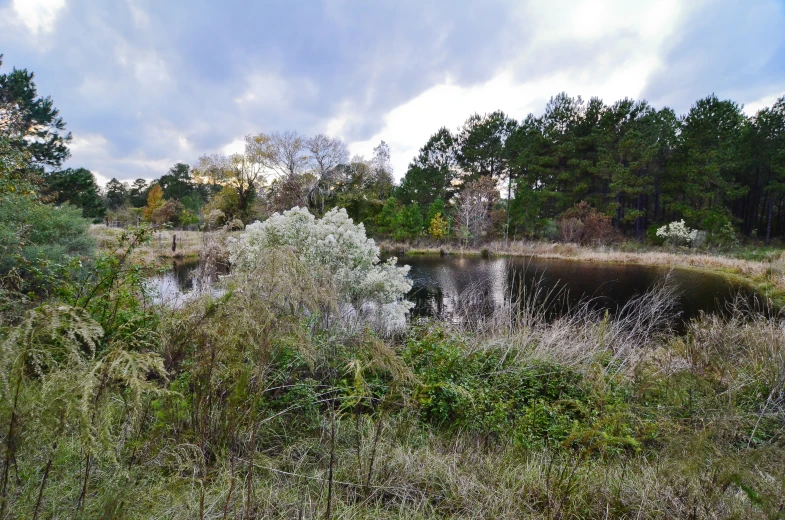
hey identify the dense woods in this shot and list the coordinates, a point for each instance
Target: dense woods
(716, 168)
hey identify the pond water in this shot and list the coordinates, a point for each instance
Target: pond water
(443, 283)
(440, 284)
(180, 282)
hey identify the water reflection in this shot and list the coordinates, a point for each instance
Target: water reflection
(450, 286)
(184, 280)
(478, 286)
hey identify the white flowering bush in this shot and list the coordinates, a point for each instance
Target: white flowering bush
(677, 233)
(367, 289)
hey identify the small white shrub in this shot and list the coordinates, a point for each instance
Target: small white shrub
(677, 233)
(367, 289)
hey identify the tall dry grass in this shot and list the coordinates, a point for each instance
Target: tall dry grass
(189, 244)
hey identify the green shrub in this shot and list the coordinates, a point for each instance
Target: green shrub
(651, 234)
(39, 242)
(485, 392)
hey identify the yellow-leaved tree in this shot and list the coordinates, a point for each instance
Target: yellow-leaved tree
(155, 200)
(438, 227)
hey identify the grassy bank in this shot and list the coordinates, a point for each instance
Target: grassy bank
(190, 244)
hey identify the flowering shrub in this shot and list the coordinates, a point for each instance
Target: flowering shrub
(677, 233)
(336, 247)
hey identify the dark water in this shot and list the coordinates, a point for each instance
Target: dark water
(441, 284)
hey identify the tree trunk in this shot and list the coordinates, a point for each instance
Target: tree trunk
(768, 220)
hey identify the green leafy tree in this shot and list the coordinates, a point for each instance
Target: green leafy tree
(77, 187)
(15, 174)
(116, 194)
(137, 193)
(363, 190)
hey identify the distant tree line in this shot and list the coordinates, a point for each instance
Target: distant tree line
(626, 166)
(714, 167)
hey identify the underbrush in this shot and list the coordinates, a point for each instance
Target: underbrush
(252, 404)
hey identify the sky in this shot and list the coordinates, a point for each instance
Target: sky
(143, 84)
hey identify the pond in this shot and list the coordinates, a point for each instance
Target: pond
(440, 284)
(480, 285)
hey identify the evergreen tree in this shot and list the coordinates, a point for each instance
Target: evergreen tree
(31, 123)
(408, 223)
(431, 174)
(116, 194)
(436, 207)
(77, 187)
(137, 194)
(702, 176)
(177, 183)
(386, 220)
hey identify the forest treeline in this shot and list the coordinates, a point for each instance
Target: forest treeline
(628, 164)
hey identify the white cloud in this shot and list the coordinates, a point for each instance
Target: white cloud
(236, 146)
(141, 19)
(618, 70)
(38, 15)
(100, 179)
(265, 90)
(88, 144)
(752, 108)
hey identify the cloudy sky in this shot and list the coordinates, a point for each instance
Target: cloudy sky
(143, 84)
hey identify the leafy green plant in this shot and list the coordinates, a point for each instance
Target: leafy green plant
(40, 244)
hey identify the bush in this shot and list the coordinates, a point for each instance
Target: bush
(235, 225)
(338, 254)
(38, 241)
(723, 236)
(570, 229)
(677, 233)
(655, 239)
(549, 229)
(584, 224)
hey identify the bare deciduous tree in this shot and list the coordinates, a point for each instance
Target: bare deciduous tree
(288, 153)
(473, 213)
(326, 154)
(244, 172)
